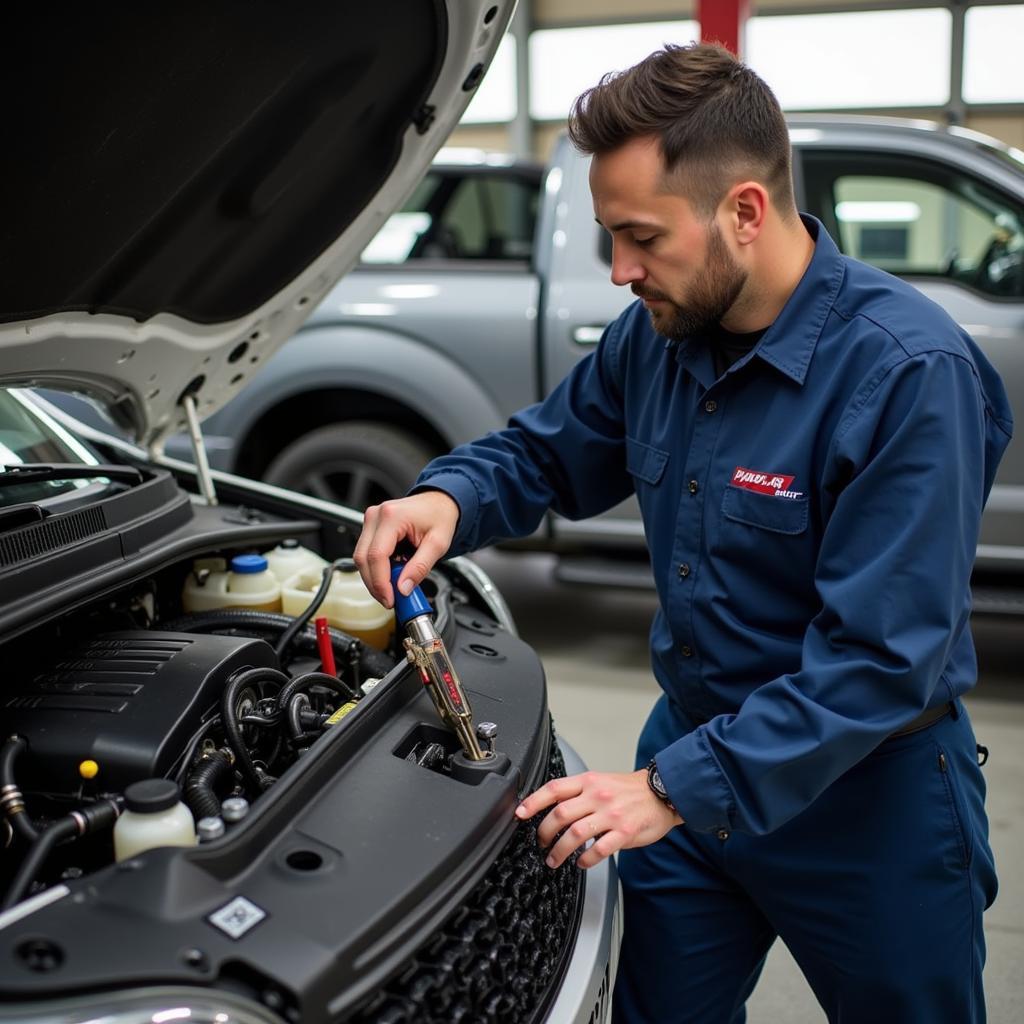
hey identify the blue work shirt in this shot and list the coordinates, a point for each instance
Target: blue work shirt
(811, 515)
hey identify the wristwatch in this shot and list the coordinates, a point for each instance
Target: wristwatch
(658, 787)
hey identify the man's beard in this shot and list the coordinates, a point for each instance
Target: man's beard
(711, 295)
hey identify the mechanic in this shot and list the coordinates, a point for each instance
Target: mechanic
(811, 442)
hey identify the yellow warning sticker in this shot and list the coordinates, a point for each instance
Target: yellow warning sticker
(341, 713)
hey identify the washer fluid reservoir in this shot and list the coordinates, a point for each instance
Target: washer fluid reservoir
(290, 558)
(348, 605)
(248, 584)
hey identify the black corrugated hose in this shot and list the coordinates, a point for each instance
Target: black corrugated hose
(202, 782)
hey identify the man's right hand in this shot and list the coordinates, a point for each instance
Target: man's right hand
(426, 520)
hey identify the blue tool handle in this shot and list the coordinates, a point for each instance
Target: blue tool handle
(410, 607)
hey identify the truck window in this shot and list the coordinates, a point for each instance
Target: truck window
(918, 218)
(455, 215)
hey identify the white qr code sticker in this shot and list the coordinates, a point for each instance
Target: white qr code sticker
(237, 917)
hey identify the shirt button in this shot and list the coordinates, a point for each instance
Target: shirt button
(684, 570)
(723, 834)
(686, 651)
(694, 486)
(710, 405)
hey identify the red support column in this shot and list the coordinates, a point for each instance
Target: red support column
(722, 21)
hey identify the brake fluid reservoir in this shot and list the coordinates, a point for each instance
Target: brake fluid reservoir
(153, 816)
(248, 584)
(290, 558)
(348, 606)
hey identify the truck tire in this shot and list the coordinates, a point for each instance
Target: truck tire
(355, 464)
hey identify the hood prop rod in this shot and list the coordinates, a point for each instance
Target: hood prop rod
(188, 403)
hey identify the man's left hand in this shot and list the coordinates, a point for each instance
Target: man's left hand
(618, 811)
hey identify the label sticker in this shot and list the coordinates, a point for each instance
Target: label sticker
(342, 712)
(234, 919)
(775, 484)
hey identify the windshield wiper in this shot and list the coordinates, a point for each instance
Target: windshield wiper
(17, 516)
(32, 472)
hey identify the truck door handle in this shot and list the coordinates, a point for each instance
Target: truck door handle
(588, 334)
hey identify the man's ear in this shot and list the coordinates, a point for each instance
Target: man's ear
(747, 206)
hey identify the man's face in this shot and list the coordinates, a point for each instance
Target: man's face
(673, 259)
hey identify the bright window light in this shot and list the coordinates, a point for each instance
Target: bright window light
(565, 61)
(877, 212)
(495, 99)
(861, 59)
(992, 38)
(394, 241)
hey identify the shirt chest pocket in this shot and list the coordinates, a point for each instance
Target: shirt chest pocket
(645, 462)
(765, 511)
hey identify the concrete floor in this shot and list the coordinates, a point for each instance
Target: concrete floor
(594, 646)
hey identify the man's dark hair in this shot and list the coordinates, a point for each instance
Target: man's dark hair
(715, 119)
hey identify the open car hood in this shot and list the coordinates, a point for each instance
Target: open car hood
(190, 181)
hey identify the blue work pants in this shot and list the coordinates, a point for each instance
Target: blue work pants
(877, 889)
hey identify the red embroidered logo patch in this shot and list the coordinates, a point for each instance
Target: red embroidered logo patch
(764, 483)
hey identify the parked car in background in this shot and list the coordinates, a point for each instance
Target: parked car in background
(209, 810)
(489, 285)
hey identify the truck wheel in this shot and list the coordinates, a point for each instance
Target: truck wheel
(355, 464)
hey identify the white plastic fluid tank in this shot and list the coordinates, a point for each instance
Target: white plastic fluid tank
(348, 606)
(153, 816)
(290, 558)
(247, 584)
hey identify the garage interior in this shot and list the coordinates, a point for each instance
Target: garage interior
(602, 649)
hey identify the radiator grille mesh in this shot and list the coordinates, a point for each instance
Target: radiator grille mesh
(496, 958)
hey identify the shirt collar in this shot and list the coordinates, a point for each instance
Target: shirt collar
(790, 342)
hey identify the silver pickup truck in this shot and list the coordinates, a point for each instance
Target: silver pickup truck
(479, 296)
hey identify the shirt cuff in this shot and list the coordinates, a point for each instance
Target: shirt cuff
(461, 489)
(696, 783)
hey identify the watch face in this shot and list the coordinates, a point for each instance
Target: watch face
(654, 779)
(657, 787)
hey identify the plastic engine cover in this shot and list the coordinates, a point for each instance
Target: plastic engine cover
(130, 701)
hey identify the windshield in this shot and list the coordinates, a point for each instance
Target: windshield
(29, 435)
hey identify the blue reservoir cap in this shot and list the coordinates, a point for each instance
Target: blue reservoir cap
(248, 563)
(416, 603)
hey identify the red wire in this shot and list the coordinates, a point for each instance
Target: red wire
(323, 640)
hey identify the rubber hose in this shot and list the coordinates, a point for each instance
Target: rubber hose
(229, 720)
(371, 661)
(36, 857)
(20, 821)
(202, 782)
(298, 703)
(300, 620)
(101, 814)
(301, 683)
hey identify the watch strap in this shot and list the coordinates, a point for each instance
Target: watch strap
(657, 787)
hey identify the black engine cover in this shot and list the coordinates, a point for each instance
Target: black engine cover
(129, 701)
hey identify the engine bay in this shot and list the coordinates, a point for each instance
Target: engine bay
(154, 670)
(221, 701)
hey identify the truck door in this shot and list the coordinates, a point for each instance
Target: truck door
(956, 232)
(578, 302)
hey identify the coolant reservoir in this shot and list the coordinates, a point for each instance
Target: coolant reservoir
(153, 816)
(248, 584)
(348, 606)
(290, 558)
